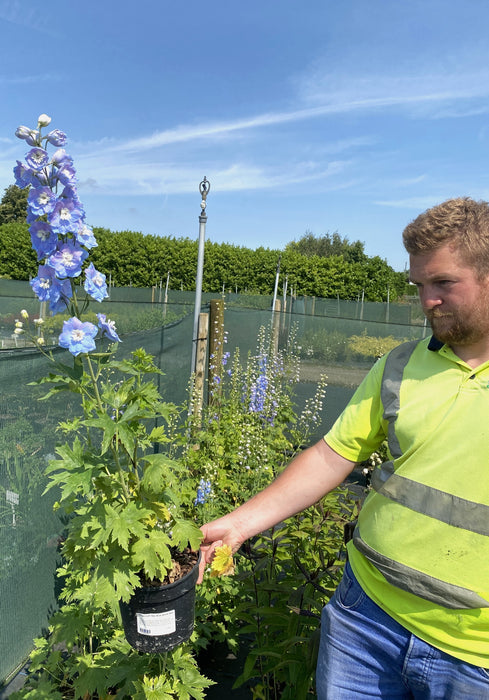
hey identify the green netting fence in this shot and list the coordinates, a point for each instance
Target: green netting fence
(29, 530)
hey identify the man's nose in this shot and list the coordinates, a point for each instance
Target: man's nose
(430, 297)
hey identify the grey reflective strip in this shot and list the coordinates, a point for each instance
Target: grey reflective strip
(390, 389)
(443, 506)
(422, 585)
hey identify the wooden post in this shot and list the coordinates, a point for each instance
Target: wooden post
(200, 362)
(216, 349)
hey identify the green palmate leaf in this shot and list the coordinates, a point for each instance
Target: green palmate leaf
(97, 592)
(108, 426)
(127, 437)
(193, 683)
(133, 412)
(126, 523)
(157, 469)
(45, 689)
(119, 523)
(185, 532)
(158, 434)
(152, 553)
(91, 677)
(159, 688)
(68, 624)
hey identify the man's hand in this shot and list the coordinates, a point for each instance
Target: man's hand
(217, 533)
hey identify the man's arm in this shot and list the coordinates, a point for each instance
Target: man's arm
(310, 475)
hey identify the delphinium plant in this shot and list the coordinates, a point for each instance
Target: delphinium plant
(121, 492)
(270, 608)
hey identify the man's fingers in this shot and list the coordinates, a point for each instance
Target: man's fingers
(206, 558)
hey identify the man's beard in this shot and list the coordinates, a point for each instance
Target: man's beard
(457, 328)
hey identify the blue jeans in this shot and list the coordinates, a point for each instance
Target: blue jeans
(364, 653)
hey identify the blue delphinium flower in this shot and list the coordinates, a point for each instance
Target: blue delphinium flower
(95, 283)
(78, 336)
(258, 392)
(59, 235)
(85, 236)
(44, 240)
(68, 259)
(37, 158)
(56, 137)
(65, 216)
(66, 173)
(108, 328)
(60, 156)
(46, 285)
(203, 492)
(23, 175)
(41, 200)
(28, 135)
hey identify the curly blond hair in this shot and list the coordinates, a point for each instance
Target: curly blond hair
(461, 222)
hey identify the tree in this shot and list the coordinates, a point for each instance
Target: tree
(328, 246)
(13, 206)
(17, 259)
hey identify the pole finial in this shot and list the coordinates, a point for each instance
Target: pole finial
(204, 188)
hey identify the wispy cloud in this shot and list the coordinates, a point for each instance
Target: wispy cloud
(392, 94)
(417, 203)
(167, 179)
(29, 79)
(17, 12)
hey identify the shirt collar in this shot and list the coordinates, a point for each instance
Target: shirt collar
(435, 344)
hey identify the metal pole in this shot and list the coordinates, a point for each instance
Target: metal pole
(204, 188)
(277, 274)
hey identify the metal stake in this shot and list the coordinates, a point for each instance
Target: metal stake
(204, 188)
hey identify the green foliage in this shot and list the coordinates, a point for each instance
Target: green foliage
(131, 258)
(370, 347)
(125, 520)
(324, 345)
(294, 569)
(327, 246)
(13, 206)
(17, 259)
(128, 505)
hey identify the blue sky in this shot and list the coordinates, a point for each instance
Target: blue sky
(320, 116)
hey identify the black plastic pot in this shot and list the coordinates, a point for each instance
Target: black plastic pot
(159, 618)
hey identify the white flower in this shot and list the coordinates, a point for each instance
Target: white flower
(38, 321)
(18, 331)
(43, 120)
(19, 324)
(24, 314)
(41, 341)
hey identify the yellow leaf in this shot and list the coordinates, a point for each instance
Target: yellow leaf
(222, 564)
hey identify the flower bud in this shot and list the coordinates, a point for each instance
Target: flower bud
(19, 324)
(24, 314)
(43, 120)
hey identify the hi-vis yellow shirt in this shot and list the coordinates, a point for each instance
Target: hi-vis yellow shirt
(421, 546)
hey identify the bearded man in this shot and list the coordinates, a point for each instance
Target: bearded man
(410, 618)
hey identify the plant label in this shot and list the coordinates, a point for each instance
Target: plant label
(156, 624)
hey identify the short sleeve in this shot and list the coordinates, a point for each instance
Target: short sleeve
(360, 428)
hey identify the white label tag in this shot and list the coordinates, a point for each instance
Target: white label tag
(12, 497)
(156, 624)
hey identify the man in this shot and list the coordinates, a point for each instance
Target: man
(410, 618)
